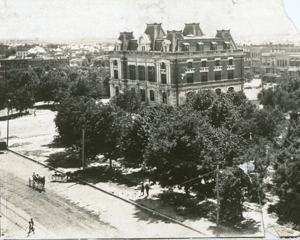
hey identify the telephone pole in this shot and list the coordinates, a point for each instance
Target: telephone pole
(82, 148)
(218, 201)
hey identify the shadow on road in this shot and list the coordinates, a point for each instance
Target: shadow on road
(14, 115)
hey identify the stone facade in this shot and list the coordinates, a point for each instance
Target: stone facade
(181, 62)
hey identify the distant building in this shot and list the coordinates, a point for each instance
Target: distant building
(3, 50)
(166, 66)
(22, 51)
(19, 64)
(271, 61)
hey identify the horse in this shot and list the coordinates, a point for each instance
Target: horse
(39, 180)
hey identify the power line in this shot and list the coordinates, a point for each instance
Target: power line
(197, 177)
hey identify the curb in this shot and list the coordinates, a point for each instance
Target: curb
(121, 198)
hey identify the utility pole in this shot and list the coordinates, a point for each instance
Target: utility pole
(218, 201)
(7, 132)
(82, 148)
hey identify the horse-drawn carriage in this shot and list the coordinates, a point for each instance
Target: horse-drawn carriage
(64, 177)
(37, 182)
(58, 177)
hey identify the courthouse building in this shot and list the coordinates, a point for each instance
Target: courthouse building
(166, 66)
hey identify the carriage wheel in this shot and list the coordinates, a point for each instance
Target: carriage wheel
(51, 177)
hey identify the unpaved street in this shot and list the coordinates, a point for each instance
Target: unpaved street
(71, 209)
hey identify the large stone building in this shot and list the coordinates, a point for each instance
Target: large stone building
(165, 66)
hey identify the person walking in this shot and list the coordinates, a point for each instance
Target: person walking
(142, 189)
(147, 187)
(31, 226)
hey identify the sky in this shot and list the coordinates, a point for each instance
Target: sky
(56, 19)
(292, 8)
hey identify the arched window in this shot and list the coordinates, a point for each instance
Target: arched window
(163, 66)
(164, 96)
(115, 63)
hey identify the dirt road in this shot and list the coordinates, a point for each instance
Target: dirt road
(57, 213)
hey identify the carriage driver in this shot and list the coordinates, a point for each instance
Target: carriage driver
(34, 176)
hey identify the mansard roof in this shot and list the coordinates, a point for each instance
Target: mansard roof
(192, 28)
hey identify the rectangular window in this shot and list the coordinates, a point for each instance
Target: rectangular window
(230, 74)
(204, 76)
(185, 47)
(203, 64)
(230, 61)
(132, 74)
(151, 74)
(200, 46)
(152, 95)
(214, 46)
(117, 91)
(218, 63)
(226, 45)
(190, 78)
(142, 73)
(143, 95)
(217, 75)
(189, 64)
(116, 74)
(163, 78)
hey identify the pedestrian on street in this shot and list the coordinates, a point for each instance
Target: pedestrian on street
(147, 187)
(31, 228)
(142, 188)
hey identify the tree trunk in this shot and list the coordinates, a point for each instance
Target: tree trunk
(186, 189)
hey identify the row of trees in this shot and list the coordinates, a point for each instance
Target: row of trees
(179, 143)
(286, 97)
(21, 89)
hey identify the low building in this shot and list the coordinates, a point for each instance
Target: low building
(273, 61)
(28, 63)
(166, 66)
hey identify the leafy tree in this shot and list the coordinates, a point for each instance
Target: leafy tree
(266, 123)
(233, 185)
(134, 138)
(285, 96)
(129, 101)
(20, 89)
